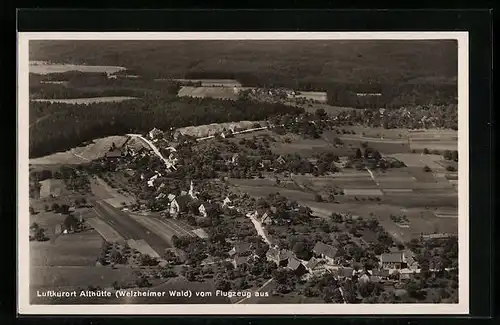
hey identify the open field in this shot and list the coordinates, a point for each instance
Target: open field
(79, 155)
(420, 160)
(309, 147)
(40, 67)
(105, 230)
(74, 277)
(318, 96)
(89, 100)
(351, 179)
(212, 82)
(421, 219)
(214, 128)
(78, 249)
(212, 92)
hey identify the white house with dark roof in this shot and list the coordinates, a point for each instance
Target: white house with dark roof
(179, 204)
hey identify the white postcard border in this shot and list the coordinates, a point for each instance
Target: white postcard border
(24, 306)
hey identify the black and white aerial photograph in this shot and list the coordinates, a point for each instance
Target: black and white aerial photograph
(308, 173)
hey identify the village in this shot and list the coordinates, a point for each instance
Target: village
(204, 227)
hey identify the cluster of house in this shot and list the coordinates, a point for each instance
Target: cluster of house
(180, 203)
(325, 260)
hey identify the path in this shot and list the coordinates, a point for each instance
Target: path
(342, 294)
(152, 146)
(260, 229)
(374, 180)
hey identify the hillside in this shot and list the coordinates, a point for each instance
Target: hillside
(299, 64)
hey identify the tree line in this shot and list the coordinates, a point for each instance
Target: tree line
(71, 124)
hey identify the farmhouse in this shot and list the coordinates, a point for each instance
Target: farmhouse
(296, 266)
(226, 203)
(315, 266)
(279, 257)
(155, 133)
(205, 208)
(326, 252)
(281, 160)
(266, 219)
(393, 260)
(179, 205)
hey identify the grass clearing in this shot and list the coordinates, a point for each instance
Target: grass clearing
(40, 67)
(78, 249)
(79, 276)
(79, 155)
(89, 100)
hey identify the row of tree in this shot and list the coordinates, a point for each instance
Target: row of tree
(74, 124)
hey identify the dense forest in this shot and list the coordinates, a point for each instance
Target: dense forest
(75, 84)
(400, 70)
(64, 126)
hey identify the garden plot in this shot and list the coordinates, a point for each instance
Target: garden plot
(52, 188)
(106, 231)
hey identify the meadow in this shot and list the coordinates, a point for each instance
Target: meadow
(90, 100)
(96, 149)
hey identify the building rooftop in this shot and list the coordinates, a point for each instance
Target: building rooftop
(393, 257)
(324, 249)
